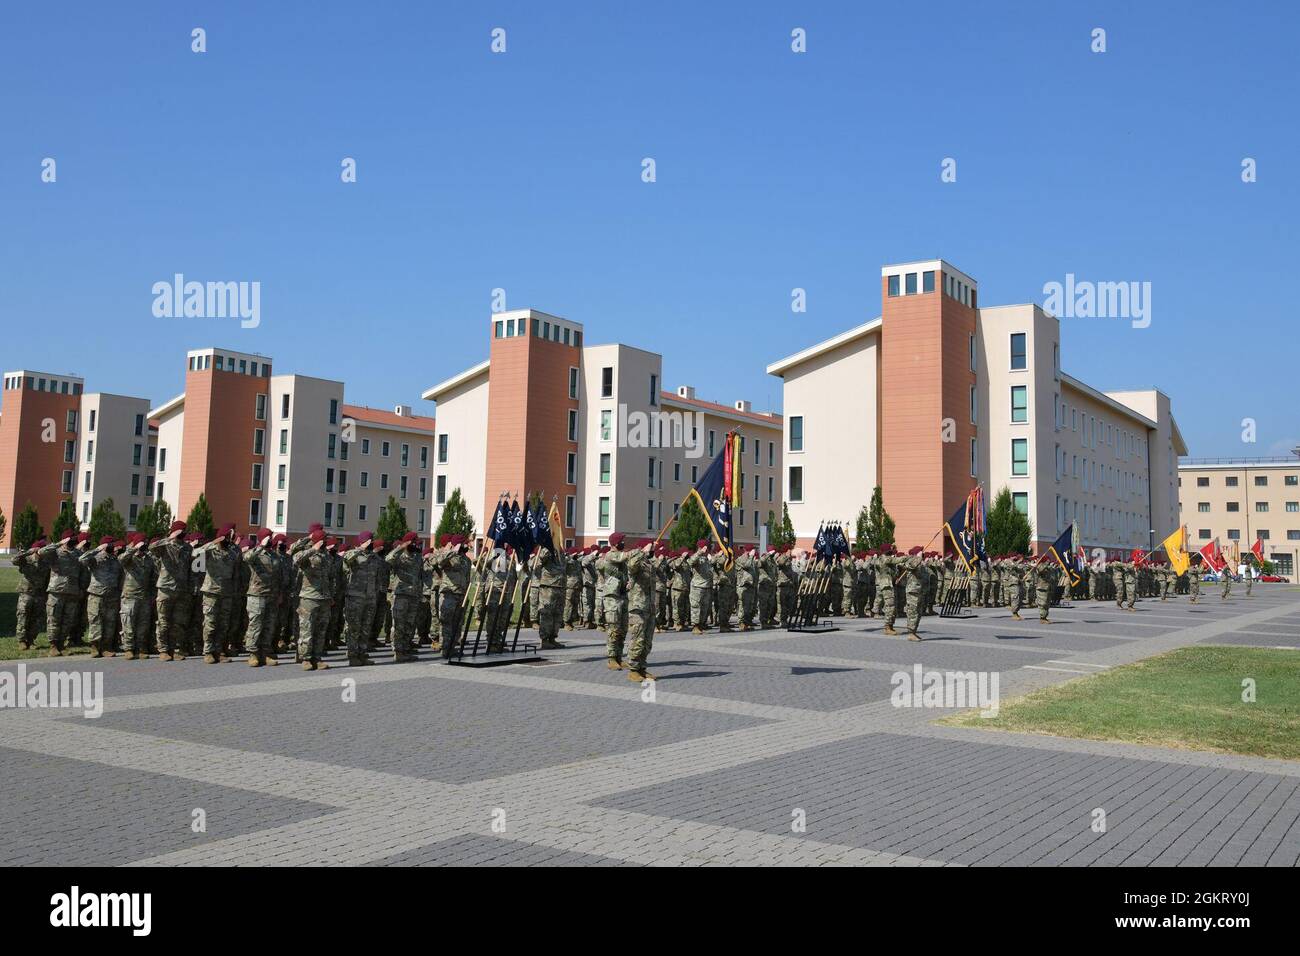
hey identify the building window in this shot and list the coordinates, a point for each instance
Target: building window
(654, 390)
(573, 424)
(153, 455)
(93, 414)
(444, 446)
(1290, 480)
(573, 382)
(334, 411)
(650, 515)
(259, 440)
(424, 488)
(365, 446)
(1020, 403)
(383, 481)
(606, 425)
(602, 519)
(927, 281)
(570, 511)
(1293, 506)
(604, 467)
(259, 408)
(1262, 534)
(284, 405)
(257, 477)
(1019, 358)
(148, 487)
(973, 406)
(1020, 499)
(909, 283)
(69, 451)
(284, 441)
(329, 481)
(332, 444)
(338, 518)
(1234, 534)
(571, 469)
(607, 382)
(329, 513)
(794, 486)
(974, 457)
(1203, 507)
(255, 512)
(419, 526)
(440, 490)
(651, 477)
(365, 479)
(406, 455)
(279, 477)
(1202, 482)
(1261, 481)
(1261, 507)
(892, 284)
(361, 512)
(67, 483)
(1020, 456)
(401, 486)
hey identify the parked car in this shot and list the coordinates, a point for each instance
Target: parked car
(1275, 579)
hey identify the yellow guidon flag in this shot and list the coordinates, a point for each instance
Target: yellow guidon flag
(1176, 547)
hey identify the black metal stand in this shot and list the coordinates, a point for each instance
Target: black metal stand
(956, 598)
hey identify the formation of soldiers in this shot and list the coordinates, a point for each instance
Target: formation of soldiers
(180, 595)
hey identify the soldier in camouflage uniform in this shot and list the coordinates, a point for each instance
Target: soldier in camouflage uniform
(454, 567)
(572, 606)
(173, 597)
(588, 565)
(599, 567)
(502, 582)
(701, 586)
(766, 575)
(239, 617)
(640, 612)
(1013, 585)
(35, 578)
(746, 571)
(886, 576)
(549, 571)
(1194, 576)
(263, 592)
(1045, 582)
(63, 592)
(310, 560)
(137, 575)
(221, 561)
(424, 619)
(380, 625)
(787, 585)
(915, 579)
(103, 597)
(659, 560)
(360, 576)
(433, 594)
(334, 632)
(613, 565)
(724, 590)
(406, 569)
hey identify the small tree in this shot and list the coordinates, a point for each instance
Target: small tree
(877, 530)
(456, 518)
(104, 520)
(27, 528)
(690, 525)
(66, 520)
(1008, 530)
(146, 520)
(200, 519)
(780, 534)
(392, 521)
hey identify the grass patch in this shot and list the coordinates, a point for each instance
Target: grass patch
(9, 623)
(1190, 698)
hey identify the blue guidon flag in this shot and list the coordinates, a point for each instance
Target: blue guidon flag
(962, 538)
(1062, 549)
(709, 492)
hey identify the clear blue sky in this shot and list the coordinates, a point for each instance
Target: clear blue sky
(775, 171)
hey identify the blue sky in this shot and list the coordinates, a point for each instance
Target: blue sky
(522, 171)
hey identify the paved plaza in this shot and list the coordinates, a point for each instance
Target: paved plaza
(757, 748)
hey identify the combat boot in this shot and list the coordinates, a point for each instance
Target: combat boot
(270, 660)
(888, 630)
(94, 649)
(110, 653)
(129, 656)
(913, 636)
(1016, 616)
(254, 660)
(164, 656)
(208, 659)
(552, 645)
(308, 666)
(696, 630)
(637, 677)
(177, 656)
(56, 652)
(614, 664)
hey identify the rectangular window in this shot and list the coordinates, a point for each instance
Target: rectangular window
(406, 455)
(444, 448)
(385, 449)
(571, 469)
(440, 490)
(570, 511)
(424, 457)
(1234, 534)
(1261, 507)
(361, 512)
(573, 383)
(1261, 481)
(332, 444)
(338, 518)
(910, 283)
(135, 485)
(973, 406)
(573, 424)
(1293, 506)
(794, 486)
(770, 482)
(974, 457)
(1020, 403)
(255, 512)
(329, 481)
(148, 487)
(1019, 358)
(284, 405)
(1290, 480)
(365, 446)
(651, 476)
(650, 515)
(1202, 482)
(139, 424)
(654, 390)
(927, 281)
(972, 353)
(87, 482)
(259, 408)
(365, 479)
(606, 425)
(69, 451)
(607, 382)
(284, 441)
(401, 486)
(1020, 456)
(602, 519)
(1203, 507)
(1021, 501)
(93, 413)
(424, 488)
(677, 471)
(259, 441)
(892, 284)
(383, 481)
(334, 411)
(329, 513)
(279, 477)
(153, 455)
(604, 467)
(256, 484)
(796, 433)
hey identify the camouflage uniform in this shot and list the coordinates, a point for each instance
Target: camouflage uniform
(572, 590)
(701, 589)
(746, 569)
(137, 577)
(103, 599)
(313, 602)
(1014, 591)
(787, 586)
(886, 568)
(613, 564)
(360, 573)
(379, 626)
(588, 564)
(455, 570)
(172, 596)
(221, 562)
(916, 578)
(405, 566)
(641, 615)
(1045, 575)
(263, 593)
(766, 574)
(502, 581)
(724, 591)
(63, 593)
(31, 595)
(549, 570)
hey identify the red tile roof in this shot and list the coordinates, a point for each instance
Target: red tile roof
(364, 413)
(767, 418)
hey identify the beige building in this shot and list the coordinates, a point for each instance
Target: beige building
(939, 394)
(117, 455)
(1242, 500)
